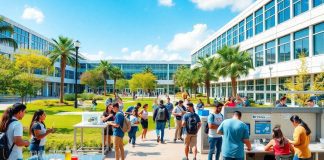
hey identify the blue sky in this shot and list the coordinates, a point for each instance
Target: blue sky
(126, 29)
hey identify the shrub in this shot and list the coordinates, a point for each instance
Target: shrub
(87, 96)
(69, 97)
(99, 97)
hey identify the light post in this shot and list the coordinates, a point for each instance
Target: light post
(270, 68)
(77, 46)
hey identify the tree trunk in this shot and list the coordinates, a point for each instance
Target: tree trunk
(207, 83)
(115, 86)
(105, 87)
(234, 84)
(63, 65)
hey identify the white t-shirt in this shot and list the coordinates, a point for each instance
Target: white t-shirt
(218, 119)
(177, 109)
(15, 129)
(133, 120)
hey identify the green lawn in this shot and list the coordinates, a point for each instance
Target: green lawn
(63, 124)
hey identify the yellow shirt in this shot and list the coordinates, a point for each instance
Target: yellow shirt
(301, 142)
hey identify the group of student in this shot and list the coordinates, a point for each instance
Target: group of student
(12, 130)
(227, 137)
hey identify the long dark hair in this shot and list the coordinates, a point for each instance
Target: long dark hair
(277, 135)
(298, 120)
(107, 110)
(9, 113)
(35, 119)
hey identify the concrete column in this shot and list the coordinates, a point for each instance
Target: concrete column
(47, 89)
(311, 42)
(291, 46)
(291, 9)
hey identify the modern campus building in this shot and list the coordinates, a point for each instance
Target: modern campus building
(28, 39)
(274, 32)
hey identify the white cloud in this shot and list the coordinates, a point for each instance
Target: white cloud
(236, 5)
(99, 56)
(31, 13)
(124, 50)
(153, 52)
(188, 41)
(167, 3)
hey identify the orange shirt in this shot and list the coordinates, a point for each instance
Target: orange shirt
(301, 142)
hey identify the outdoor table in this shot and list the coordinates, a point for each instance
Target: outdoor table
(102, 126)
(314, 148)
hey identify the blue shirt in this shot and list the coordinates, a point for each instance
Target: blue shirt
(234, 131)
(169, 107)
(247, 103)
(129, 111)
(186, 117)
(119, 119)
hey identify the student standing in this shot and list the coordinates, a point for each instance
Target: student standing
(144, 121)
(235, 135)
(169, 107)
(134, 127)
(301, 138)
(14, 130)
(118, 133)
(160, 116)
(178, 113)
(215, 140)
(38, 131)
(191, 122)
(108, 115)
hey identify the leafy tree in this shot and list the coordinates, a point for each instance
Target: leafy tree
(147, 69)
(122, 84)
(92, 78)
(64, 51)
(7, 28)
(116, 73)
(233, 64)
(179, 77)
(7, 73)
(145, 81)
(206, 68)
(28, 60)
(104, 68)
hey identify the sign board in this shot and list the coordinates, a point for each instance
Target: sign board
(262, 127)
(261, 116)
(90, 118)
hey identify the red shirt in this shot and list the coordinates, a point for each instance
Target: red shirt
(284, 150)
(231, 104)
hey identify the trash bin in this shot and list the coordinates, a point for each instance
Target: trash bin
(202, 137)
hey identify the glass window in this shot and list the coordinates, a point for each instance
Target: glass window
(284, 48)
(235, 34)
(270, 52)
(223, 39)
(318, 39)
(259, 85)
(283, 10)
(271, 97)
(249, 26)
(229, 37)
(301, 43)
(259, 56)
(219, 43)
(317, 2)
(250, 85)
(271, 85)
(241, 31)
(269, 15)
(241, 85)
(300, 6)
(213, 50)
(258, 19)
(282, 81)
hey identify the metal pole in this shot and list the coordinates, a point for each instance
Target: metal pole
(270, 68)
(76, 78)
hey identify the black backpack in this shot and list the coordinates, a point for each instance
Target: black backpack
(207, 127)
(4, 144)
(192, 124)
(160, 115)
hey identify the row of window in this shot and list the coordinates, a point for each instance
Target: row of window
(259, 21)
(21, 37)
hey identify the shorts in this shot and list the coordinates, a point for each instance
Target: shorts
(144, 123)
(190, 140)
(110, 131)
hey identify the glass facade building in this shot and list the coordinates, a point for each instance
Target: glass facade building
(275, 33)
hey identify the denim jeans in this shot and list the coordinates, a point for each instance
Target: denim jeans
(160, 125)
(296, 158)
(214, 143)
(132, 134)
(227, 158)
(37, 150)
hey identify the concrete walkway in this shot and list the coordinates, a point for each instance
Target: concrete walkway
(151, 150)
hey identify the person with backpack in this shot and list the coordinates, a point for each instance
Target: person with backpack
(12, 132)
(134, 127)
(160, 116)
(118, 133)
(178, 112)
(169, 107)
(130, 109)
(215, 140)
(38, 131)
(191, 122)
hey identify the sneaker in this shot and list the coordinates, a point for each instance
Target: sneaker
(181, 139)
(158, 139)
(185, 158)
(163, 142)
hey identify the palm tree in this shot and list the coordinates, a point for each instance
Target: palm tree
(7, 28)
(147, 69)
(234, 64)
(179, 77)
(206, 68)
(116, 73)
(104, 68)
(64, 51)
